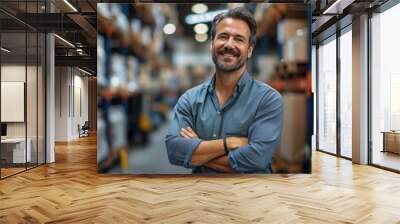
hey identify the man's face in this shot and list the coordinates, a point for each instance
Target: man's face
(230, 46)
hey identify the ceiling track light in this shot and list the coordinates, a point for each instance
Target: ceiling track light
(337, 7)
(65, 41)
(70, 5)
(84, 71)
(5, 50)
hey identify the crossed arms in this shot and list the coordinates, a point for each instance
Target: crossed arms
(212, 153)
(247, 155)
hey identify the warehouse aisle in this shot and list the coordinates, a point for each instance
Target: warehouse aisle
(153, 158)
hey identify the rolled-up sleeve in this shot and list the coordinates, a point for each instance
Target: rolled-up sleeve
(264, 135)
(180, 149)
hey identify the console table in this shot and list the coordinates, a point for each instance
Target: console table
(13, 150)
(391, 141)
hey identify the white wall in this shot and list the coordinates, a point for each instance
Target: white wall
(80, 94)
(33, 127)
(71, 94)
(12, 73)
(61, 103)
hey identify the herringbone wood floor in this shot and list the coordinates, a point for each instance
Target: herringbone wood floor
(71, 191)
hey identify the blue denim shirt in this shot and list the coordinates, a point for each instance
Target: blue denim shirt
(254, 110)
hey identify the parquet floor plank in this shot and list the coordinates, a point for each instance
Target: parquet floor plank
(71, 191)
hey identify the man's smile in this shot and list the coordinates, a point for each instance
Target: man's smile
(229, 52)
(228, 55)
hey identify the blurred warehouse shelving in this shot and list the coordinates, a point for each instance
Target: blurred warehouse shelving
(132, 56)
(282, 61)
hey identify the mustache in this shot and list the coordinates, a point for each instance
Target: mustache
(228, 51)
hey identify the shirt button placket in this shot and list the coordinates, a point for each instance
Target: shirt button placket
(217, 125)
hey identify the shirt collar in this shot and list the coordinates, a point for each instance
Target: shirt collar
(239, 86)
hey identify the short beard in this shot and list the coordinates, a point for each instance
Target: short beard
(226, 68)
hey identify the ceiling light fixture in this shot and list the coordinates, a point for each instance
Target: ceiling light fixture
(201, 28)
(201, 37)
(203, 17)
(5, 50)
(337, 7)
(70, 5)
(299, 32)
(199, 8)
(64, 40)
(84, 71)
(169, 28)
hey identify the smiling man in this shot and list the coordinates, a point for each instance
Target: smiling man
(231, 123)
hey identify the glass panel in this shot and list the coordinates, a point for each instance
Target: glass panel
(386, 89)
(32, 86)
(41, 91)
(41, 99)
(13, 87)
(14, 151)
(22, 67)
(346, 94)
(31, 97)
(327, 97)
